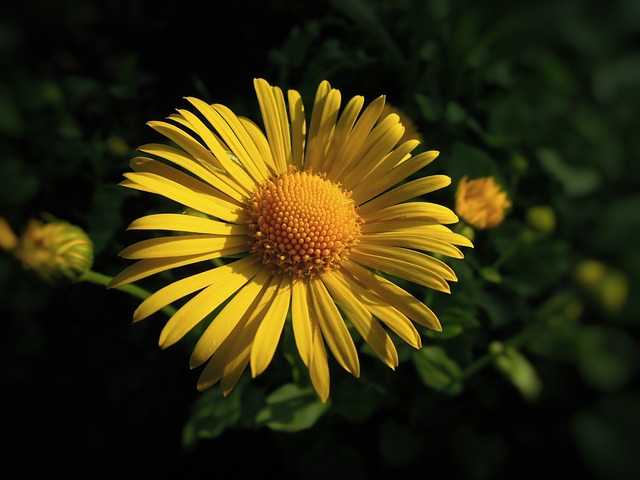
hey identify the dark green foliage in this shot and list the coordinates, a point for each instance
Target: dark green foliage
(535, 371)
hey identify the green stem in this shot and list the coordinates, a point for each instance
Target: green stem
(487, 359)
(134, 290)
(507, 254)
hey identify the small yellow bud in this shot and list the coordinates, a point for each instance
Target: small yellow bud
(8, 239)
(589, 273)
(520, 163)
(481, 202)
(542, 218)
(614, 291)
(56, 250)
(117, 146)
(608, 286)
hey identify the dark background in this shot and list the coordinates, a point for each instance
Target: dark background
(85, 392)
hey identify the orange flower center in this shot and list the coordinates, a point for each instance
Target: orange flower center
(302, 224)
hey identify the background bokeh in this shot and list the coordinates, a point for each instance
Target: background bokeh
(543, 95)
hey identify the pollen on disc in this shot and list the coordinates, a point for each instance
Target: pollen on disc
(302, 223)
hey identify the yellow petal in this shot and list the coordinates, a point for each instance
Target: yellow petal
(8, 239)
(435, 231)
(405, 192)
(361, 318)
(229, 279)
(195, 149)
(399, 264)
(374, 173)
(211, 174)
(233, 134)
(218, 330)
(357, 137)
(321, 127)
(246, 141)
(149, 165)
(172, 292)
(301, 323)
(413, 240)
(319, 365)
(187, 223)
(277, 128)
(394, 295)
(374, 150)
(343, 130)
(389, 315)
(231, 358)
(182, 245)
(214, 144)
(383, 181)
(424, 211)
(172, 189)
(150, 266)
(270, 330)
(261, 143)
(298, 128)
(334, 330)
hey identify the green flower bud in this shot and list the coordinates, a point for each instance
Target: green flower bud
(520, 162)
(614, 291)
(589, 273)
(57, 251)
(117, 146)
(542, 218)
(608, 286)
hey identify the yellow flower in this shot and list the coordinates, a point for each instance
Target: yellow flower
(481, 202)
(55, 250)
(305, 225)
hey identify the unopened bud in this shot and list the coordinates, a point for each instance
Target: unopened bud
(481, 202)
(542, 218)
(609, 286)
(55, 250)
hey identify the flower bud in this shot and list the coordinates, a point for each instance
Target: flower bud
(542, 218)
(608, 286)
(57, 251)
(481, 202)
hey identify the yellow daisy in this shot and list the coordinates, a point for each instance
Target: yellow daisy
(304, 227)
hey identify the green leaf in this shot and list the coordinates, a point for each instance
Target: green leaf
(515, 367)
(607, 357)
(437, 370)
(455, 321)
(429, 108)
(291, 408)
(212, 414)
(576, 180)
(18, 184)
(468, 160)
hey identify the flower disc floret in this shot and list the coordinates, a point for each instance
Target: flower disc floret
(302, 224)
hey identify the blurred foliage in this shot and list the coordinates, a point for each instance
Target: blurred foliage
(537, 367)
